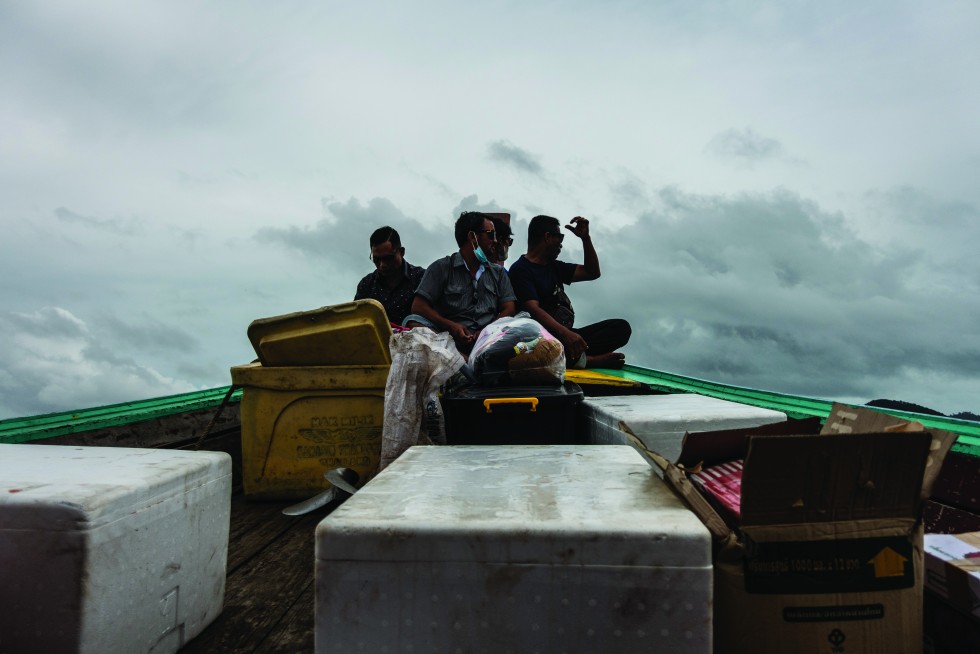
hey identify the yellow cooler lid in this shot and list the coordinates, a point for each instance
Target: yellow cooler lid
(349, 334)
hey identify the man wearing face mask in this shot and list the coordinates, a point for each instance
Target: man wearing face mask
(394, 281)
(464, 292)
(501, 225)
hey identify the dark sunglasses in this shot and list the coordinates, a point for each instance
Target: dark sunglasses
(388, 258)
(506, 241)
(492, 233)
(558, 235)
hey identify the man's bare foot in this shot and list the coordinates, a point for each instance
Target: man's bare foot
(611, 360)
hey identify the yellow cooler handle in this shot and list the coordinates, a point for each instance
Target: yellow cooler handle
(490, 401)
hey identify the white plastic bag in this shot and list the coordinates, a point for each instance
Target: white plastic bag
(421, 361)
(518, 350)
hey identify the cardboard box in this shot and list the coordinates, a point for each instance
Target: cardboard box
(827, 556)
(953, 569)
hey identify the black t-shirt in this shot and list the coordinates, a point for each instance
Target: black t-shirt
(544, 283)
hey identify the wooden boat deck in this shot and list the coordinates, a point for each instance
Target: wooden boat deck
(269, 592)
(270, 586)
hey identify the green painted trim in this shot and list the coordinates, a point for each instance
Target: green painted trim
(22, 430)
(32, 428)
(967, 445)
(794, 406)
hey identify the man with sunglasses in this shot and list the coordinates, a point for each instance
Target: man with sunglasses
(539, 280)
(394, 280)
(501, 225)
(464, 292)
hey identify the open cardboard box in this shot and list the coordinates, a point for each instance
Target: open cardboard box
(827, 556)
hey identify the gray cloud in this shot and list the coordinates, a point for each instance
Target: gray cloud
(340, 240)
(935, 237)
(770, 291)
(630, 194)
(336, 237)
(119, 226)
(510, 155)
(148, 334)
(49, 322)
(745, 146)
(53, 361)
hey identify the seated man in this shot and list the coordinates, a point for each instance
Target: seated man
(539, 278)
(501, 225)
(463, 292)
(394, 281)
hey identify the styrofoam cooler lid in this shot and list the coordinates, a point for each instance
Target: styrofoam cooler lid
(680, 412)
(349, 334)
(68, 488)
(564, 505)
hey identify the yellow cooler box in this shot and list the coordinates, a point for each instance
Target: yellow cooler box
(298, 421)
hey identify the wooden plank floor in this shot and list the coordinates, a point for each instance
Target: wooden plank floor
(270, 586)
(269, 591)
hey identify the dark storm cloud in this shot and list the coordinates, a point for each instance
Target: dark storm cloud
(510, 155)
(746, 146)
(342, 238)
(147, 334)
(770, 291)
(54, 361)
(113, 225)
(930, 232)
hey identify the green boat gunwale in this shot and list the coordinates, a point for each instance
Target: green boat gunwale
(26, 429)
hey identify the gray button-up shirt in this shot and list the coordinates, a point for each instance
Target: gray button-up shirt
(451, 291)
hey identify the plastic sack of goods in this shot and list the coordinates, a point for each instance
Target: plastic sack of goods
(518, 350)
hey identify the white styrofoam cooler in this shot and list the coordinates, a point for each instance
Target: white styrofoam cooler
(110, 549)
(661, 421)
(513, 549)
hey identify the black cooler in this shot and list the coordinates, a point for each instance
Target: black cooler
(514, 415)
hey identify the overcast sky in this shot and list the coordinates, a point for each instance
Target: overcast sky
(782, 195)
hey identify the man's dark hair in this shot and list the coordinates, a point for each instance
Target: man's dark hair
(386, 235)
(469, 221)
(539, 226)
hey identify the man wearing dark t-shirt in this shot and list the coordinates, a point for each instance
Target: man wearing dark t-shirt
(539, 280)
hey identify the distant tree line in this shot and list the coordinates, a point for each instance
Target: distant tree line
(899, 405)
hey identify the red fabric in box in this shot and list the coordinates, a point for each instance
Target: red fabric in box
(722, 484)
